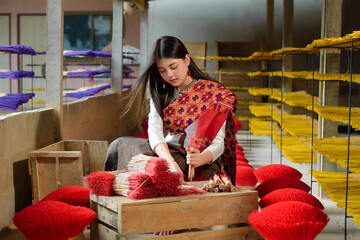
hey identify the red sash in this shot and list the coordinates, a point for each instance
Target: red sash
(211, 104)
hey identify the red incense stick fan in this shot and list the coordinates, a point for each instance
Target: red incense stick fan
(245, 176)
(276, 170)
(289, 220)
(52, 220)
(280, 182)
(289, 194)
(73, 195)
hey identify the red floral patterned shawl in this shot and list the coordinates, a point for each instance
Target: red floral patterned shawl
(211, 104)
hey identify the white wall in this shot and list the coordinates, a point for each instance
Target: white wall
(229, 20)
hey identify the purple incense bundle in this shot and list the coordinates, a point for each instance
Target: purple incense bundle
(88, 53)
(17, 49)
(88, 73)
(16, 74)
(87, 92)
(12, 101)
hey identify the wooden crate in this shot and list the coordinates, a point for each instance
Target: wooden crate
(64, 163)
(122, 218)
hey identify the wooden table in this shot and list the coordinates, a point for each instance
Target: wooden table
(119, 217)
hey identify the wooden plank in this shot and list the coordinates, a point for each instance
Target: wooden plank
(53, 154)
(109, 202)
(97, 155)
(112, 201)
(58, 146)
(34, 178)
(107, 216)
(194, 213)
(94, 228)
(93, 153)
(105, 233)
(44, 177)
(73, 145)
(206, 196)
(197, 49)
(239, 233)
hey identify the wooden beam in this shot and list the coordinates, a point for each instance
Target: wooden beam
(144, 36)
(287, 41)
(287, 38)
(329, 90)
(288, 23)
(54, 62)
(270, 25)
(117, 47)
(141, 4)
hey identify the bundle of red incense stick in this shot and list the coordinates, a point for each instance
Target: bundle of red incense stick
(100, 183)
(156, 181)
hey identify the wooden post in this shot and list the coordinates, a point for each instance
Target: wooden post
(269, 30)
(117, 47)
(54, 62)
(270, 25)
(329, 90)
(287, 39)
(144, 38)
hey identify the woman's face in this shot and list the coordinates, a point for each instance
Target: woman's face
(174, 71)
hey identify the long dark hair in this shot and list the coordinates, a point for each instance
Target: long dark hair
(165, 47)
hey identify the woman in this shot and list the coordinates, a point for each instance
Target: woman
(190, 107)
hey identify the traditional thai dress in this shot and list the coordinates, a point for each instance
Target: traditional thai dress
(204, 110)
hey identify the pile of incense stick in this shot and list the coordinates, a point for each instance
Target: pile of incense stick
(219, 184)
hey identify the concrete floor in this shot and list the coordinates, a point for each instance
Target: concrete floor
(258, 152)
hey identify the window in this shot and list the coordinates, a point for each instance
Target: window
(87, 32)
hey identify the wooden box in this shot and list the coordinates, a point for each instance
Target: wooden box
(122, 218)
(64, 163)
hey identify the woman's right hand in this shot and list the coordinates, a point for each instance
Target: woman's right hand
(174, 167)
(162, 150)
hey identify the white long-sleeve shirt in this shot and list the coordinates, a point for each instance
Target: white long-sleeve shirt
(156, 134)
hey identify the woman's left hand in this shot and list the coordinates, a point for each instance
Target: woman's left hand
(195, 158)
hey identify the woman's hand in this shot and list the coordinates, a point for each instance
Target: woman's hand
(174, 167)
(197, 159)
